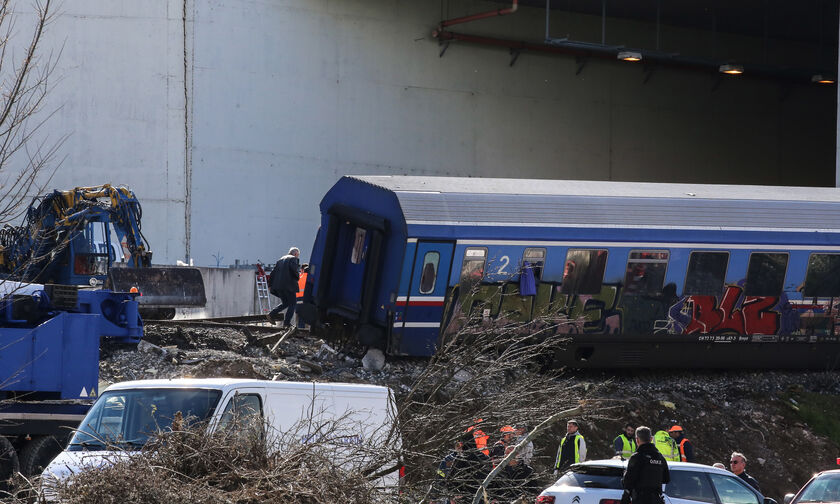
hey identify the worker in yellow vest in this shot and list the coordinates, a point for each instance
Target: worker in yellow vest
(624, 445)
(572, 449)
(686, 448)
(666, 446)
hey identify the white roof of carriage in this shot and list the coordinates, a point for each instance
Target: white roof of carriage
(530, 202)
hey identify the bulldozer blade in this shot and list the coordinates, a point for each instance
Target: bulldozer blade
(167, 286)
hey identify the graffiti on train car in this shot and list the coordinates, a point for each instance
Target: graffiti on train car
(611, 311)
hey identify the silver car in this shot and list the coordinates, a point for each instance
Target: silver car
(599, 482)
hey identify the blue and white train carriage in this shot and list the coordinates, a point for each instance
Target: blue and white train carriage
(673, 275)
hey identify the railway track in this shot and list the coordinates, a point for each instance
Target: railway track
(254, 322)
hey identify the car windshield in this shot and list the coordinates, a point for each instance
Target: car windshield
(587, 476)
(126, 418)
(824, 488)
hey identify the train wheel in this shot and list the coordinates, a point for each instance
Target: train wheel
(9, 464)
(38, 453)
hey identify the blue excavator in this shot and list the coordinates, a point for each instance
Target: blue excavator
(66, 238)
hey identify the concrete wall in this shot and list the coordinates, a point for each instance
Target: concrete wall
(276, 99)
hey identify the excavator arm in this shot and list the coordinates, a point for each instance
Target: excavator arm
(47, 247)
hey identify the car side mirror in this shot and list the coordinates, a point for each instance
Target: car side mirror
(788, 498)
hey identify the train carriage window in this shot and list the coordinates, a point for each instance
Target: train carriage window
(430, 266)
(823, 277)
(645, 274)
(706, 273)
(535, 259)
(766, 274)
(472, 271)
(583, 272)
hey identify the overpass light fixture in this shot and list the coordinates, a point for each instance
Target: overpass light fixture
(630, 56)
(731, 69)
(823, 79)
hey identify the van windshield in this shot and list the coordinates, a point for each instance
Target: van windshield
(127, 418)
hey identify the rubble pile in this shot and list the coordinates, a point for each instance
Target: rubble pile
(722, 412)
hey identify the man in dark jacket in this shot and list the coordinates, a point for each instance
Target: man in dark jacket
(468, 469)
(646, 471)
(284, 284)
(738, 465)
(515, 481)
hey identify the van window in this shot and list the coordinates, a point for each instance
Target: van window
(535, 259)
(706, 273)
(823, 277)
(645, 274)
(766, 274)
(583, 272)
(732, 490)
(430, 266)
(472, 271)
(691, 486)
(357, 255)
(245, 408)
(129, 417)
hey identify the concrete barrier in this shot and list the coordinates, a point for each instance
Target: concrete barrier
(230, 292)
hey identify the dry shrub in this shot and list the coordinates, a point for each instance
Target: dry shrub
(317, 461)
(499, 371)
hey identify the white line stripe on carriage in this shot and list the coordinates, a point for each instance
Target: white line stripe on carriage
(421, 324)
(651, 245)
(615, 226)
(411, 240)
(420, 298)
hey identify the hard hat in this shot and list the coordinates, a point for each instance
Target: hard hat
(507, 428)
(675, 428)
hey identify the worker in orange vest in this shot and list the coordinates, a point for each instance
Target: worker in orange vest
(304, 272)
(686, 448)
(481, 438)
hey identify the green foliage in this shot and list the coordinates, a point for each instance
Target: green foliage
(820, 411)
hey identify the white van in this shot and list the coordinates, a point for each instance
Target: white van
(126, 413)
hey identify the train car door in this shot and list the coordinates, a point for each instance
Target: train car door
(424, 302)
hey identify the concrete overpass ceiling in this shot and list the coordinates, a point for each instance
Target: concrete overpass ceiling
(807, 27)
(802, 21)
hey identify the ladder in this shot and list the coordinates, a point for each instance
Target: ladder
(263, 300)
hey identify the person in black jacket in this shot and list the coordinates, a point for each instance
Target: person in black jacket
(738, 465)
(646, 471)
(284, 284)
(468, 469)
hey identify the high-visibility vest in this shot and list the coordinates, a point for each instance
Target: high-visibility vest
(666, 446)
(301, 285)
(682, 449)
(480, 437)
(629, 446)
(577, 449)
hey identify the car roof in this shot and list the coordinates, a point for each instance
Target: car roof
(828, 471)
(671, 465)
(228, 383)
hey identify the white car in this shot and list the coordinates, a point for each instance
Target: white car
(599, 482)
(823, 487)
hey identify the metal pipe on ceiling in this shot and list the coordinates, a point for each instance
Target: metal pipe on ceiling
(482, 15)
(590, 49)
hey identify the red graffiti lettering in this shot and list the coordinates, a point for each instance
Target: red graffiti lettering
(758, 318)
(753, 317)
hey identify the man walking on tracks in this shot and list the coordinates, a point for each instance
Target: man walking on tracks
(284, 284)
(646, 471)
